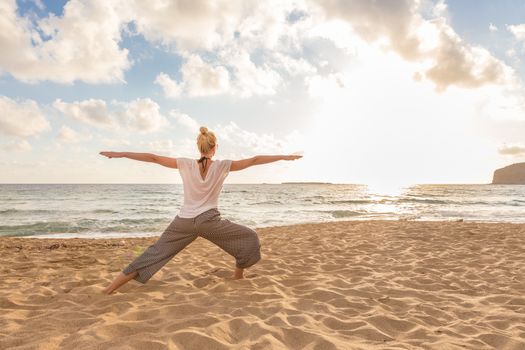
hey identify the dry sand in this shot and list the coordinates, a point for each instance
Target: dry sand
(340, 285)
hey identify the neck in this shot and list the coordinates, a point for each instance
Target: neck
(204, 158)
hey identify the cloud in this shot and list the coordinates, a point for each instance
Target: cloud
(21, 119)
(83, 44)
(167, 147)
(185, 120)
(512, 150)
(399, 25)
(17, 146)
(238, 142)
(198, 79)
(115, 142)
(492, 28)
(242, 48)
(68, 135)
(39, 4)
(250, 78)
(244, 141)
(199, 26)
(291, 65)
(246, 79)
(92, 112)
(518, 31)
(319, 85)
(141, 115)
(171, 88)
(192, 25)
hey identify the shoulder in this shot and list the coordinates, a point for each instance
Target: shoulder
(183, 161)
(224, 163)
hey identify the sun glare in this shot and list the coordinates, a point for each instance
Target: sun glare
(391, 189)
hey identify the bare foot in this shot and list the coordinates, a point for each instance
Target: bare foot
(119, 281)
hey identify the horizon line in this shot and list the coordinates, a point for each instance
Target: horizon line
(230, 183)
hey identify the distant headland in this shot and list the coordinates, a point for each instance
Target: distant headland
(306, 183)
(513, 174)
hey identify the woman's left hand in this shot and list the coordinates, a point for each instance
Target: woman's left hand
(110, 154)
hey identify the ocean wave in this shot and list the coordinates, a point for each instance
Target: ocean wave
(104, 211)
(423, 200)
(40, 228)
(85, 226)
(351, 201)
(27, 211)
(266, 202)
(346, 213)
(13, 211)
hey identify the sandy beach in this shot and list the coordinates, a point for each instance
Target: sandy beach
(339, 285)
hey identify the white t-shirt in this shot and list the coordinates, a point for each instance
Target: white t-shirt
(201, 195)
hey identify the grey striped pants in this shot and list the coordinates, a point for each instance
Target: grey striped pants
(237, 240)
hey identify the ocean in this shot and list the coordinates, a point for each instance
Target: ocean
(131, 210)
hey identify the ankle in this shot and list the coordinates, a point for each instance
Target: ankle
(238, 272)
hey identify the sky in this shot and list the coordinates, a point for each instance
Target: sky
(384, 93)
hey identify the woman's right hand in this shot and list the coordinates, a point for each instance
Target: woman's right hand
(292, 157)
(111, 154)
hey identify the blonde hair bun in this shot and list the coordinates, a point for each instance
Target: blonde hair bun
(206, 140)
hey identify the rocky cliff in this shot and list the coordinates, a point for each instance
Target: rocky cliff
(511, 174)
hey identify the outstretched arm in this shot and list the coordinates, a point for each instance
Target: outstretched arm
(144, 157)
(245, 163)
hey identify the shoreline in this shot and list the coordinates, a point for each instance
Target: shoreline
(333, 285)
(60, 236)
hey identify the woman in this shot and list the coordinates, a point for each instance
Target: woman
(199, 215)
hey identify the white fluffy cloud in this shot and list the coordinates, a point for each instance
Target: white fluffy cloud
(238, 142)
(191, 25)
(443, 56)
(225, 42)
(92, 112)
(171, 88)
(198, 79)
(209, 25)
(185, 120)
(83, 44)
(21, 119)
(252, 79)
(518, 31)
(17, 146)
(220, 42)
(141, 115)
(246, 142)
(512, 150)
(400, 25)
(68, 135)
